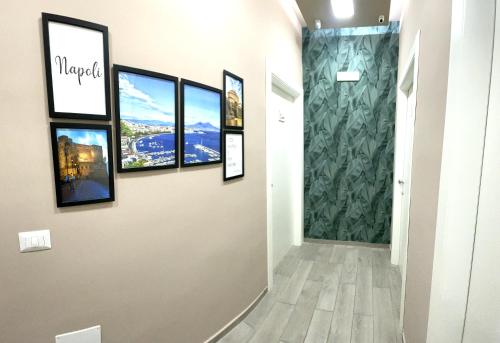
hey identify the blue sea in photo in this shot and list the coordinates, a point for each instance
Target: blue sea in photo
(202, 116)
(201, 147)
(160, 146)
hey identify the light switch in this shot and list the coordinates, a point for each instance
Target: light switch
(90, 335)
(34, 240)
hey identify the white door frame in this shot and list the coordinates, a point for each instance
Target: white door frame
(275, 80)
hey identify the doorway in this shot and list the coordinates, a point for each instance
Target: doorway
(407, 104)
(281, 130)
(284, 169)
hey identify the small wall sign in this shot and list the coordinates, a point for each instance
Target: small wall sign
(348, 76)
(76, 67)
(234, 155)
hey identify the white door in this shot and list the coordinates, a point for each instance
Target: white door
(482, 320)
(405, 181)
(281, 135)
(405, 188)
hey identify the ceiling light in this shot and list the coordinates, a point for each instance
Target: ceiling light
(343, 9)
(317, 24)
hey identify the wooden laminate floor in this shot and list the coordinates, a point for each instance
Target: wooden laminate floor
(325, 293)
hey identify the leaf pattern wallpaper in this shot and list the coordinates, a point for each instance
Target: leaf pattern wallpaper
(349, 133)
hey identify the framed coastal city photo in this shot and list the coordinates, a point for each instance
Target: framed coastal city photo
(83, 163)
(145, 119)
(234, 155)
(201, 121)
(233, 101)
(76, 68)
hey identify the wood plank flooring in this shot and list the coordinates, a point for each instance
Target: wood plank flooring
(327, 293)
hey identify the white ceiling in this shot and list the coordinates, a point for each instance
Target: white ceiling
(366, 13)
(396, 8)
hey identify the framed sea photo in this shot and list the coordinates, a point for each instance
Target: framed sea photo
(76, 68)
(201, 121)
(83, 163)
(233, 101)
(145, 119)
(234, 155)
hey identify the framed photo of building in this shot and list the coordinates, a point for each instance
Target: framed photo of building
(234, 155)
(76, 68)
(201, 122)
(83, 163)
(145, 119)
(233, 101)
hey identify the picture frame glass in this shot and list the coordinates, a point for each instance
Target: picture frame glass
(83, 164)
(233, 155)
(147, 121)
(201, 125)
(233, 93)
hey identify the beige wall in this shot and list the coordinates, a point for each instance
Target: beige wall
(179, 254)
(433, 18)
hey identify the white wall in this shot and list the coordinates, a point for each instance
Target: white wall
(466, 113)
(280, 66)
(432, 18)
(483, 310)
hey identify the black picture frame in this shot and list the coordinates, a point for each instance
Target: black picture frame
(234, 132)
(81, 169)
(184, 83)
(239, 79)
(46, 19)
(117, 69)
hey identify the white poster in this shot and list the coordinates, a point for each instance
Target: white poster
(233, 155)
(77, 70)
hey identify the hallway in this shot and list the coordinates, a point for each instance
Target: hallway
(327, 293)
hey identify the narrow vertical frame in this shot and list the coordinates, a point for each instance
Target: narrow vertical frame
(239, 79)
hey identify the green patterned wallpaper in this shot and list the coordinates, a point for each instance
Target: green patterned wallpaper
(349, 133)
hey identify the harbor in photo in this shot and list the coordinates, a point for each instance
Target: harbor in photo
(145, 145)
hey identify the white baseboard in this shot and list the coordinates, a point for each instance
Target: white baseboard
(229, 326)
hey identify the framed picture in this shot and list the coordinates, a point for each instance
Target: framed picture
(76, 68)
(83, 163)
(201, 121)
(145, 119)
(234, 155)
(233, 101)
